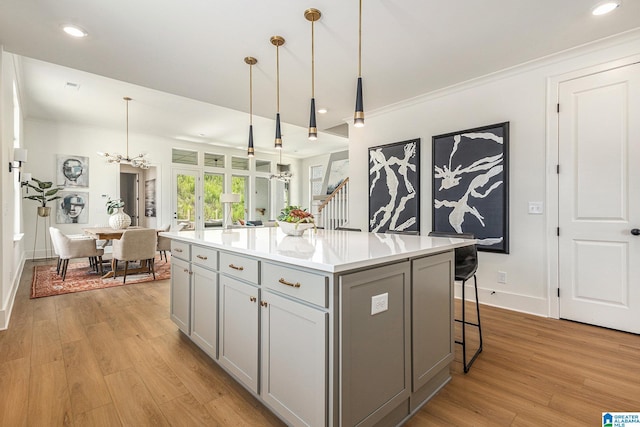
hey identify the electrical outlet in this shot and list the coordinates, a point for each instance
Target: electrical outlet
(536, 208)
(502, 277)
(379, 303)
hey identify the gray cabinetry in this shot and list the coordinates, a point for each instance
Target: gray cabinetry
(375, 348)
(294, 359)
(238, 309)
(432, 320)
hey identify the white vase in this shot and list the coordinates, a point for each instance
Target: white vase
(119, 220)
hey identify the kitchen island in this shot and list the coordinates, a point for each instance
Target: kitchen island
(332, 328)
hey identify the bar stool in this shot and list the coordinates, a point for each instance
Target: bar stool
(466, 265)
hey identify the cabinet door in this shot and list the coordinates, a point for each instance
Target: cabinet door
(432, 316)
(204, 303)
(375, 344)
(239, 330)
(180, 294)
(294, 360)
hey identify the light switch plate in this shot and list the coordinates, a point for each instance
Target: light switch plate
(379, 303)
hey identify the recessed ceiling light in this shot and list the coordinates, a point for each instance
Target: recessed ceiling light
(605, 7)
(74, 31)
(322, 111)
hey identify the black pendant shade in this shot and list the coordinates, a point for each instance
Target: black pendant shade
(250, 151)
(313, 130)
(278, 143)
(358, 117)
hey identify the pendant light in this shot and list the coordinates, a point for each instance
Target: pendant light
(251, 61)
(358, 117)
(139, 161)
(278, 41)
(312, 15)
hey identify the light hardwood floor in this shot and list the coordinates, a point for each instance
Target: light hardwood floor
(112, 357)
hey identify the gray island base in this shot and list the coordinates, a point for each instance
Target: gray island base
(332, 328)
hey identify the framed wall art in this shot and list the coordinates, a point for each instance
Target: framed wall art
(72, 171)
(394, 177)
(470, 185)
(150, 198)
(72, 207)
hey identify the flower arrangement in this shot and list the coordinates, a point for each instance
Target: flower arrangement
(113, 205)
(294, 220)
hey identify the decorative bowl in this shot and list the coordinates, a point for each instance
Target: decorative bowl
(293, 228)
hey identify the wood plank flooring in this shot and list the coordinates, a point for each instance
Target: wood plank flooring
(112, 357)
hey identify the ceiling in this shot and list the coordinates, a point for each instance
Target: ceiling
(182, 61)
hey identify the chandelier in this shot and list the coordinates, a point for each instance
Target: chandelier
(138, 161)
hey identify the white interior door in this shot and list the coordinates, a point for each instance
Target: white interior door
(599, 199)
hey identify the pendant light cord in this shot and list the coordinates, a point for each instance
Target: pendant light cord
(250, 94)
(360, 41)
(313, 63)
(277, 78)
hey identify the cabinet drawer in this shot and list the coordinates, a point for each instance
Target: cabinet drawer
(180, 250)
(206, 257)
(239, 266)
(300, 284)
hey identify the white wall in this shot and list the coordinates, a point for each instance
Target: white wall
(520, 96)
(11, 251)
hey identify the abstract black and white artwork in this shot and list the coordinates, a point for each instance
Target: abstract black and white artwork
(470, 185)
(394, 197)
(72, 171)
(150, 198)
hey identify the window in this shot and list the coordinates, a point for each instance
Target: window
(214, 160)
(184, 157)
(263, 166)
(239, 186)
(240, 163)
(262, 200)
(213, 188)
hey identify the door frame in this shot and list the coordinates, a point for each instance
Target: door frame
(552, 159)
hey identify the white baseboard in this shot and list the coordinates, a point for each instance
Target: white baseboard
(509, 301)
(5, 313)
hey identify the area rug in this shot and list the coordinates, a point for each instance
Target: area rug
(80, 277)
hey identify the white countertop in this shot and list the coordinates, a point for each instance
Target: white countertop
(326, 250)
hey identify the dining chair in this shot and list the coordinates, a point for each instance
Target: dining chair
(135, 245)
(466, 265)
(164, 243)
(68, 248)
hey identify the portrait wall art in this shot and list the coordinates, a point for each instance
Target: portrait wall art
(470, 185)
(394, 197)
(72, 207)
(72, 171)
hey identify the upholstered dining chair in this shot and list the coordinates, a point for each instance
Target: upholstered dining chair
(164, 243)
(135, 245)
(466, 265)
(68, 248)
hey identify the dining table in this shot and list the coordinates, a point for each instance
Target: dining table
(109, 234)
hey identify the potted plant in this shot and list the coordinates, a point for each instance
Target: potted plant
(118, 219)
(46, 193)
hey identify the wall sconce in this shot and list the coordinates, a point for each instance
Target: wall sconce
(24, 180)
(228, 199)
(19, 155)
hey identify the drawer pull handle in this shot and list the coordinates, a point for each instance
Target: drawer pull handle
(252, 299)
(264, 303)
(204, 258)
(178, 250)
(293, 285)
(186, 271)
(235, 267)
